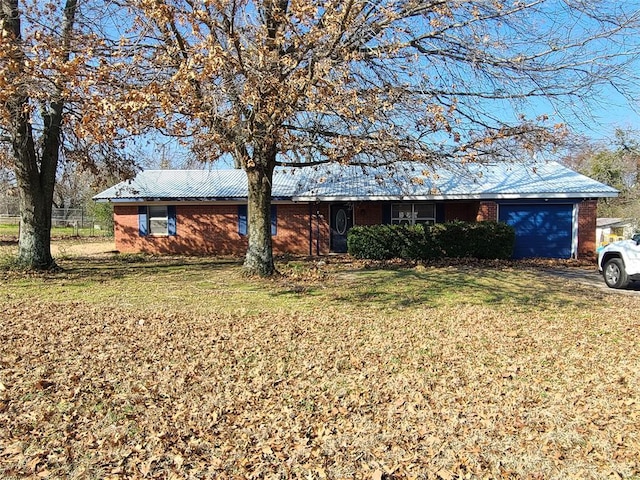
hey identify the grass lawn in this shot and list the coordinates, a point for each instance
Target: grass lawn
(125, 366)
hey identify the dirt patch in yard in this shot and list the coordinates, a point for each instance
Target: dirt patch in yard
(67, 246)
(82, 248)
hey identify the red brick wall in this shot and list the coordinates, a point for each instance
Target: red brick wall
(294, 235)
(202, 229)
(487, 211)
(213, 229)
(321, 230)
(367, 213)
(587, 214)
(463, 211)
(125, 228)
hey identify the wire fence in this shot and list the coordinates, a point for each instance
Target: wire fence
(64, 221)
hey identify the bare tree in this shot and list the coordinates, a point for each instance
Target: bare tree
(55, 68)
(292, 82)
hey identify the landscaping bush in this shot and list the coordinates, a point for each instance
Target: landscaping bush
(375, 242)
(452, 238)
(475, 239)
(483, 240)
(491, 240)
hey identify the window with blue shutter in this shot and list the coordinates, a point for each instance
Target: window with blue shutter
(157, 220)
(171, 220)
(274, 220)
(243, 220)
(413, 213)
(143, 225)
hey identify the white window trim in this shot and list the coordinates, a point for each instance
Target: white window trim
(164, 218)
(414, 214)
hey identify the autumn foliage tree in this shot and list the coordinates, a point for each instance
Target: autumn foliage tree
(295, 83)
(56, 69)
(291, 82)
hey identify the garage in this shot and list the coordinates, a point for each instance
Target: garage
(542, 230)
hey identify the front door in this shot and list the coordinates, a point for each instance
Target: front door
(341, 222)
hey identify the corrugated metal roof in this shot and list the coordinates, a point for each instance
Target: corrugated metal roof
(337, 182)
(174, 184)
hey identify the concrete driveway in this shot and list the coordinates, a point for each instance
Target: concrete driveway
(591, 277)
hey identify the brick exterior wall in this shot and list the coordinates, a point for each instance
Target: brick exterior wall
(587, 214)
(302, 229)
(463, 211)
(367, 213)
(487, 211)
(213, 230)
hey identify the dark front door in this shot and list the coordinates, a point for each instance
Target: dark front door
(341, 222)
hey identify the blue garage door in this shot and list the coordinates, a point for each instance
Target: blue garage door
(542, 231)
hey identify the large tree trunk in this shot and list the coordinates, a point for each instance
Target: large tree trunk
(34, 249)
(35, 166)
(36, 181)
(259, 258)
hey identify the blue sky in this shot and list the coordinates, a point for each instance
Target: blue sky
(614, 111)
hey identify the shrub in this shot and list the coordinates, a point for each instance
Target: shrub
(475, 239)
(375, 242)
(491, 240)
(454, 239)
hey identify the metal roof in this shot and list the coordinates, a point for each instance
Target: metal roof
(400, 181)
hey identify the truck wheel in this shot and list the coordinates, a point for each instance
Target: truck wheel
(614, 274)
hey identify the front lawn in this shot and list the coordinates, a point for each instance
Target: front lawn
(126, 366)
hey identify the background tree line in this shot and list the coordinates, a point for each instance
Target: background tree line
(615, 162)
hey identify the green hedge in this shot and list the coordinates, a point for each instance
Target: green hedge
(453, 239)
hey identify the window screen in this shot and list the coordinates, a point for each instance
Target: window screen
(413, 213)
(158, 220)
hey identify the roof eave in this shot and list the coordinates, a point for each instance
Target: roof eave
(488, 196)
(370, 198)
(178, 199)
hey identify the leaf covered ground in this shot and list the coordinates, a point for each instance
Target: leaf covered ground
(135, 367)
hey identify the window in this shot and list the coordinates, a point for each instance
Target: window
(413, 213)
(243, 220)
(157, 220)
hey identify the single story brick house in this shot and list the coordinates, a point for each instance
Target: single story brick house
(551, 207)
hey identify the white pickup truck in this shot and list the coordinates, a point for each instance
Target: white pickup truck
(619, 262)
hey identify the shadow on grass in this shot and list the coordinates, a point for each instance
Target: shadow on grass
(384, 288)
(408, 288)
(122, 266)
